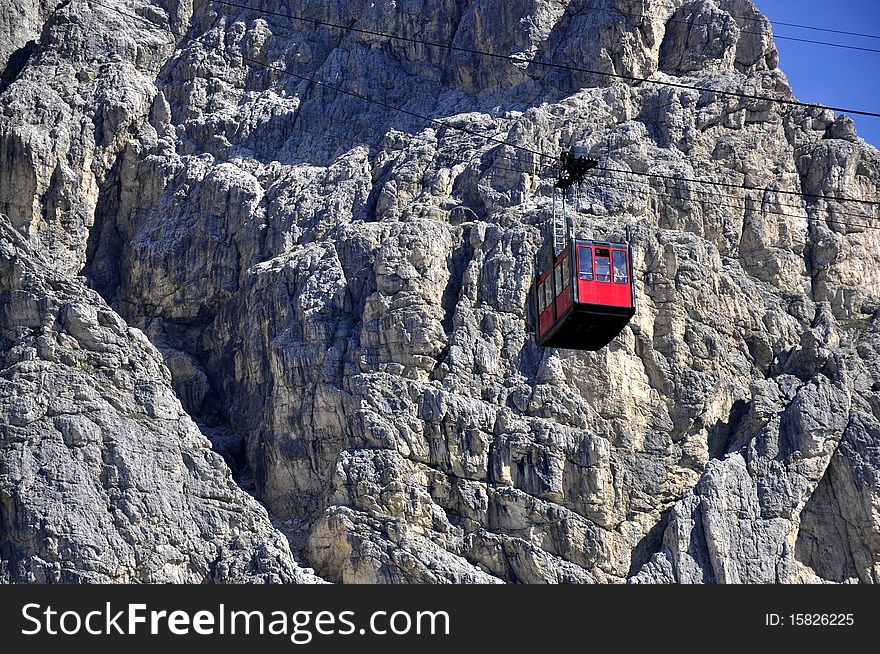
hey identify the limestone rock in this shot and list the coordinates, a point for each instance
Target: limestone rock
(103, 477)
(341, 293)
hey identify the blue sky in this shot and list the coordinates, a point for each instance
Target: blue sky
(831, 76)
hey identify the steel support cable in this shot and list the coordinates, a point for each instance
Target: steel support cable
(549, 64)
(441, 123)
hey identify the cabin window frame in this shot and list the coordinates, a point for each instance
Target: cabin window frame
(541, 299)
(566, 272)
(557, 280)
(616, 255)
(585, 255)
(596, 274)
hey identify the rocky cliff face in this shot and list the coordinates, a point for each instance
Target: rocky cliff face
(103, 476)
(340, 295)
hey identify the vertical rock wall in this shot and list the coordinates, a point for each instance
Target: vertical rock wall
(341, 292)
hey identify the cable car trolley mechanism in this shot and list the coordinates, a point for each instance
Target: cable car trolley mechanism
(584, 288)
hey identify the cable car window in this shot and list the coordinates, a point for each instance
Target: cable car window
(566, 272)
(603, 265)
(618, 265)
(541, 303)
(585, 264)
(557, 277)
(548, 293)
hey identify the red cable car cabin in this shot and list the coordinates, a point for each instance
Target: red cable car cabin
(586, 297)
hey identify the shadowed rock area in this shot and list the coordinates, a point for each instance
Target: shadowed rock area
(103, 477)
